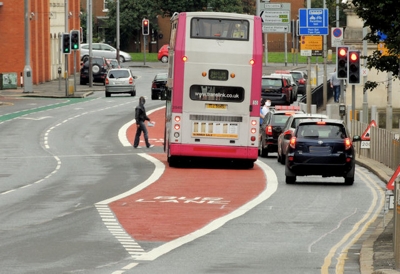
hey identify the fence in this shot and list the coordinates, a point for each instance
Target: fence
(384, 144)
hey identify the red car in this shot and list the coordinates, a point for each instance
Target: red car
(163, 54)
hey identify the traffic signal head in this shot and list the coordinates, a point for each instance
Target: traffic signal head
(354, 67)
(341, 62)
(145, 27)
(66, 43)
(75, 39)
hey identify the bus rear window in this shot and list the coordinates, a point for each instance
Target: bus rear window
(224, 29)
(216, 93)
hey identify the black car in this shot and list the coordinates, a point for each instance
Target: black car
(321, 147)
(158, 86)
(100, 68)
(271, 127)
(277, 89)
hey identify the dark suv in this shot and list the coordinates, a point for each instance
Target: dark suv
(277, 89)
(100, 68)
(321, 147)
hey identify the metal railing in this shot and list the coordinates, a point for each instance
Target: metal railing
(317, 95)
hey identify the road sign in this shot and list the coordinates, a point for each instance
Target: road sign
(311, 42)
(276, 17)
(390, 184)
(366, 136)
(336, 37)
(313, 21)
(306, 52)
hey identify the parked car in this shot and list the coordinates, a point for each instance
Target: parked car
(100, 69)
(113, 63)
(288, 131)
(163, 54)
(277, 89)
(271, 127)
(301, 80)
(322, 148)
(158, 86)
(120, 80)
(104, 50)
(291, 81)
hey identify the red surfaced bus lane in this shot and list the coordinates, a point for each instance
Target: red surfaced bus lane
(184, 200)
(156, 132)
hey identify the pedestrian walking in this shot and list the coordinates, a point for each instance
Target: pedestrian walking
(335, 84)
(141, 117)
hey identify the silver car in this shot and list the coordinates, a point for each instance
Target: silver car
(104, 50)
(120, 80)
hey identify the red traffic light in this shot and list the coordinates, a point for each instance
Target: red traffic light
(343, 51)
(145, 22)
(353, 56)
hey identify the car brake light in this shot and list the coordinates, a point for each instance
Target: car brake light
(154, 85)
(107, 81)
(347, 143)
(292, 142)
(287, 107)
(130, 80)
(321, 123)
(268, 130)
(301, 81)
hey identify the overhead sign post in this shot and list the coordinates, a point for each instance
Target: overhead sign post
(275, 17)
(313, 21)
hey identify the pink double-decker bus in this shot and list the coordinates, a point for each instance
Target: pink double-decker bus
(214, 87)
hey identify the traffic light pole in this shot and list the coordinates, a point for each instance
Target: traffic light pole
(66, 55)
(144, 47)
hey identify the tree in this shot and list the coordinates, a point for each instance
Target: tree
(130, 17)
(381, 17)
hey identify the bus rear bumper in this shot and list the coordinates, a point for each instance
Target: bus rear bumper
(250, 153)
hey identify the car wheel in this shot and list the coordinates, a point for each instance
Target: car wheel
(121, 59)
(96, 69)
(278, 158)
(107, 94)
(164, 59)
(84, 58)
(154, 96)
(349, 181)
(82, 81)
(173, 161)
(290, 179)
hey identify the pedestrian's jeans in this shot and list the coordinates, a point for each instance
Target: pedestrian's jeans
(336, 93)
(142, 127)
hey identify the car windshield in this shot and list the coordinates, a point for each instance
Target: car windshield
(118, 74)
(162, 76)
(271, 82)
(279, 120)
(321, 131)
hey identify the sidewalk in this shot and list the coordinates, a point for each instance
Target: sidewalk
(376, 251)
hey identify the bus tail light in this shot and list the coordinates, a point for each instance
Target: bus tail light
(184, 58)
(251, 61)
(233, 75)
(253, 131)
(177, 127)
(253, 122)
(177, 118)
(292, 142)
(252, 138)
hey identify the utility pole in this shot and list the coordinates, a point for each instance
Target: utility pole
(118, 31)
(308, 87)
(66, 55)
(325, 78)
(27, 69)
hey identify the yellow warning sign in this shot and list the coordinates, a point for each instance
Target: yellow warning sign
(311, 42)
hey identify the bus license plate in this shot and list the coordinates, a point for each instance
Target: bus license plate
(217, 106)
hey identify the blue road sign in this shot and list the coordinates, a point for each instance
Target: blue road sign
(382, 35)
(313, 22)
(337, 32)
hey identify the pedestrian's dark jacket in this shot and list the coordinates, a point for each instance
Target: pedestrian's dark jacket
(140, 113)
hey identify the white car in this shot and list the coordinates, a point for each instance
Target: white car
(104, 50)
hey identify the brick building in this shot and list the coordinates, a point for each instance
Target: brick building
(46, 23)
